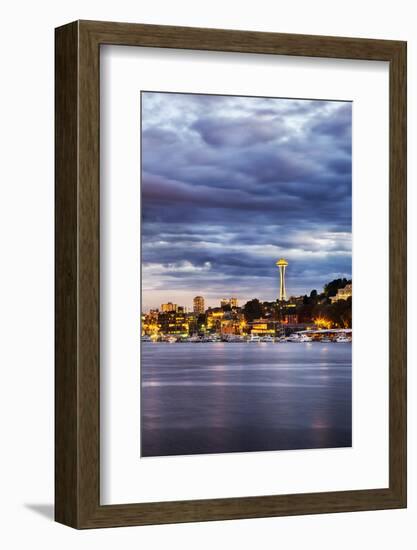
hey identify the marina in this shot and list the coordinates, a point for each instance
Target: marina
(320, 336)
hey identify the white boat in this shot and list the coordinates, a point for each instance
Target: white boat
(232, 338)
(254, 338)
(171, 339)
(342, 340)
(299, 338)
(267, 338)
(146, 338)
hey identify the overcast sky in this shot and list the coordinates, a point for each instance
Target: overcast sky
(231, 184)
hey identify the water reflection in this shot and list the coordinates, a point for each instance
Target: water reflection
(214, 398)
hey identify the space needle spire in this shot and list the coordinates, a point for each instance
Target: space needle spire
(282, 264)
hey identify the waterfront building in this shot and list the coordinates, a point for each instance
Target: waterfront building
(214, 317)
(231, 326)
(282, 265)
(192, 320)
(262, 327)
(232, 322)
(198, 305)
(173, 324)
(149, 325)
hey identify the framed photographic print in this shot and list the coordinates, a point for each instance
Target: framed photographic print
(230, 274)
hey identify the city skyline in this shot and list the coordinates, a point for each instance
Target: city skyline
(199, 304)
(230, 184)
(232, 322)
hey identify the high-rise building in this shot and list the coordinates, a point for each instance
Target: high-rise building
(282, 264)
(166, 308)
(198, 305)
(232, 302)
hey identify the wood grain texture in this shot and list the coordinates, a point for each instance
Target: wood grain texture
(398, 273)
(78, 285)
(66, 231)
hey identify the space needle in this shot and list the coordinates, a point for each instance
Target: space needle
(282, 264)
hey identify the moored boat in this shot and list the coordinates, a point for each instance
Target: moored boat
(299, 338)
(342, 340)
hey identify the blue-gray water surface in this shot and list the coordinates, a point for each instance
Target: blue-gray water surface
(240, 397)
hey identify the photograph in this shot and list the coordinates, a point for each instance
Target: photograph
(246, 274)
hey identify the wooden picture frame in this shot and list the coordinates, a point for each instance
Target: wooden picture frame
(77, 431)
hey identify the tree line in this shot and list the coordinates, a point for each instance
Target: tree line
(308, 307)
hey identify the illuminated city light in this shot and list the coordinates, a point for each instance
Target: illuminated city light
(321, 322)
(254, 321)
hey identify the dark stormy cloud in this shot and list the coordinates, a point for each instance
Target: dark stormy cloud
(231, 184)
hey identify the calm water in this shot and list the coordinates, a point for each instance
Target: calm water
(222, 398)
